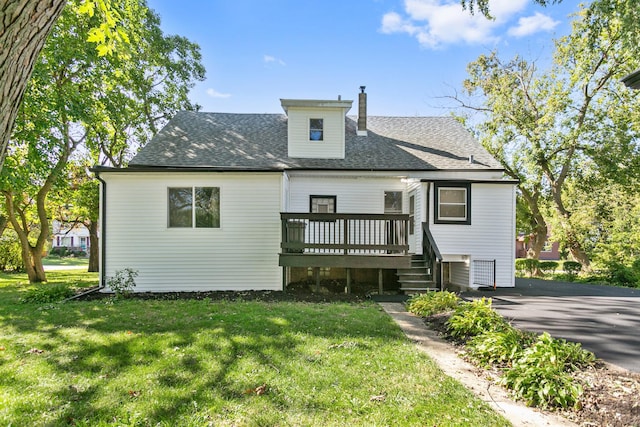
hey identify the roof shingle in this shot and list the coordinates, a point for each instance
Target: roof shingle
(259, 141)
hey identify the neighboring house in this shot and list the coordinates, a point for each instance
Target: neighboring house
(73, 237)
(248, 201)
(632, 80)
(550, 250)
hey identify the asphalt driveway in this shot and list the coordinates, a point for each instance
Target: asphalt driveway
(605, 319)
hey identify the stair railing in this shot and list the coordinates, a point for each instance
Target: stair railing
(432, 255)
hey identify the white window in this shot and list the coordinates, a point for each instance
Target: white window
(322, 204)
(452, 203)
(194, 205)
(316, 129)
(393, 202)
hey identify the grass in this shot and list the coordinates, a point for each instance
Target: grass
(194, 363)
(65, 261)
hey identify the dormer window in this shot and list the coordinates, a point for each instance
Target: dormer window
(316, 129)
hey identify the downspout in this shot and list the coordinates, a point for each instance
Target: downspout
(103, 243)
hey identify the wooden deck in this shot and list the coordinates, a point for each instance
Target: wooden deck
(345, 240)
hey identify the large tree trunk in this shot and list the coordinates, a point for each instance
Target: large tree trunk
(94, 249)
(24, 26)
(3, 224)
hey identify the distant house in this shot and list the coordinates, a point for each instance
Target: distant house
(221, 201)
(73, 237)
(550, 251)
(632, 80)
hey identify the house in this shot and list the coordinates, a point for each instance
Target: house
(220, 201)
(69, 238)
(550, 251)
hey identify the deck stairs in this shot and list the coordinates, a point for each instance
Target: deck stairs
(418, 278)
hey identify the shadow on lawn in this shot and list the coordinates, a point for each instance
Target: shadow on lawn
(195, 350)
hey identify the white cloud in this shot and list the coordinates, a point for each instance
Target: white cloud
(215, 94)
(533, 24)
(435, 23)
(268, 59)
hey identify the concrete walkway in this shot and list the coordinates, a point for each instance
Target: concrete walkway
(445, 356)
(605, 319)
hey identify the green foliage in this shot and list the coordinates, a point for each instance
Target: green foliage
(528, 265)
(541, 377)
(474, 318)
(548, 267)
(499, 347)
(123, 282)
(432, 303)
(47, 293)
(572, 267)
(10, 252)
(619, 274)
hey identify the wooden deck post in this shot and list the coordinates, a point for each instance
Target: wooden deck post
(348, 290)
(380, 281)
(316, 273)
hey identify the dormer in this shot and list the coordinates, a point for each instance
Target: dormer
(316, 127)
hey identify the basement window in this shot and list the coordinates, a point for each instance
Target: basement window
(316, 129)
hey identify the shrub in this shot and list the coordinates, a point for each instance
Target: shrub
(572, 267)
(59, 251)
(528, 265)
(622, 275)
(548, 267)
(47, 293)
(541, 375)
(123, 282)
(474, 318)
(10, 252)
(499, 347)
(432, 303)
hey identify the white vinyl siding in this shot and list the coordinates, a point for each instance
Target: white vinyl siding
(240, 255)
(332, 144)
(491, 234)
(364, 195)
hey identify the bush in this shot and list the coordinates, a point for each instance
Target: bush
(10, 252)
(572, 267)
(528, 265)
(548, 267)
(432, 303)
(499, 347)
(541, 375)
(59, 251)
(123, 282)
(474, 318)
(47, 293)
(622, 275)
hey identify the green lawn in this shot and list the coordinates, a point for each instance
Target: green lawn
(198, 363)
(65, 261)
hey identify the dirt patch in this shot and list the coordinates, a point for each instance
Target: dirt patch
(611, 394)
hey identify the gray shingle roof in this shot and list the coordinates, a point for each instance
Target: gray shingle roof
(259, 141)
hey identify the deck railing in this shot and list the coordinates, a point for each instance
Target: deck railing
(432, 255)
(345, 234)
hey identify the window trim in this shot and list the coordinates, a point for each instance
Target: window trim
(384, 195)
(320, 196)
(321, 130)
(193, 225)
(436, 202)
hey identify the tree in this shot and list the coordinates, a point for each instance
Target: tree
(541, 126)
(77, 98)
(24, 26)
(483, 6)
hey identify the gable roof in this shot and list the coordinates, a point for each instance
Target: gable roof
(259, 142)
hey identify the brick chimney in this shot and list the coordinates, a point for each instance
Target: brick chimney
(362, 112)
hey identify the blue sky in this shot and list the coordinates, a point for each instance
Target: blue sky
(408, 53)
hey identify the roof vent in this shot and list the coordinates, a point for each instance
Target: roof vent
(471, 158)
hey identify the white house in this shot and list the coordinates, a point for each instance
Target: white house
(247, 201)
(73, 237)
